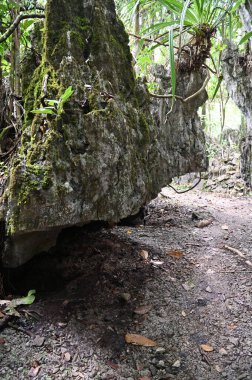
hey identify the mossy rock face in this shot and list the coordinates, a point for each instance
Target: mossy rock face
(102, 158)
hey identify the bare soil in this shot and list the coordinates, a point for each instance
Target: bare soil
(194, 283)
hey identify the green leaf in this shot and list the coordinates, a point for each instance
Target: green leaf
(28, 300)
(237, 5)
(52, 102)
(67, 94)
(182, 20)
(217, 87)
(245, 38)
(46, 110)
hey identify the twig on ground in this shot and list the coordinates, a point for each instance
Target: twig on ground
(18, 328)
(204, 357)
(239, 253)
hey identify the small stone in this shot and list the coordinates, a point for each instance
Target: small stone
(224, 227)
(208, 289)
(161, 364)
(177, 364)
(38, 341)
(145, 373)
(67, 357)
(243, 376)
(160, 350)
(125, 296)
(222, 351)
(153, 370)
(234, 341)
(188, 285)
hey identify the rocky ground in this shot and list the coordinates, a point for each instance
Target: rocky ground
(183, 281)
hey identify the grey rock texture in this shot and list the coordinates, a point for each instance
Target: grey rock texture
(237, 70)
(180, 136)
(106, 155)
(237, 73)
(245, 13)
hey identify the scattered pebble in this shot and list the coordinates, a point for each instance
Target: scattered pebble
(38, 341)
(177, 363)
(208, 289)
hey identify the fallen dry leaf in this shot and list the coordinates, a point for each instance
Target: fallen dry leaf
(1, 315)
(141, 310)
(175, 253)
(113, 365)
(139, 340)
(129, 232)
(144, 378)
(144, 254)
(206, 347)
(204, 223)
(2, 341)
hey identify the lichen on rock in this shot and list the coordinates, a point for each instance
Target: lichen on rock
(106, 155)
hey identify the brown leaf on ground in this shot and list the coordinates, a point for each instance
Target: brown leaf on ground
(139, 340)
(1, 315)
(204, 223)
(144, 378)
(206, 347)
(2, 341)
(175, 253)
(141, 310)
(113, 365)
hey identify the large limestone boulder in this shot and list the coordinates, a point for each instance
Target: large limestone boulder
(105, 156)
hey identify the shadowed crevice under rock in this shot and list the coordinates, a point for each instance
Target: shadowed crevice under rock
(111, 151)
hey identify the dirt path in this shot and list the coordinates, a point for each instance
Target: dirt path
(196, 293)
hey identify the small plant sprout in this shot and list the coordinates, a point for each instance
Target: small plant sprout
(55, 107)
